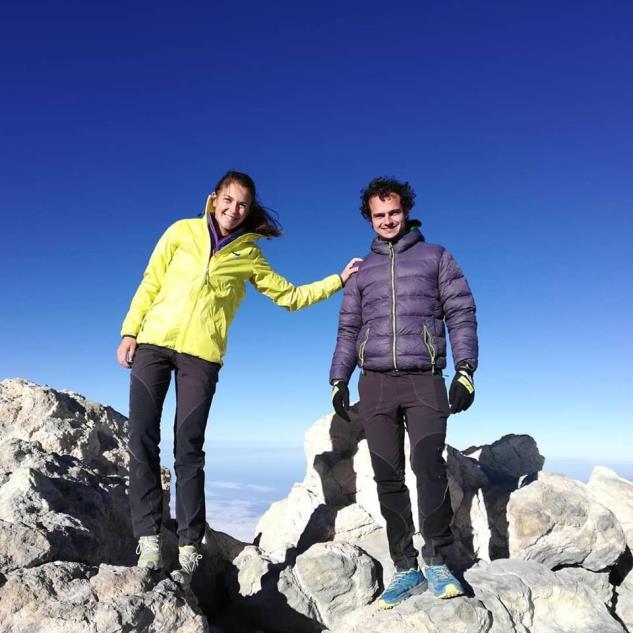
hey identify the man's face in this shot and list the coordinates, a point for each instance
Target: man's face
(387, 217)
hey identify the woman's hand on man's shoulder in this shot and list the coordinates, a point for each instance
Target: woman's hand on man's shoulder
(350, 269)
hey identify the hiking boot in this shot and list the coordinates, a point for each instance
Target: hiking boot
(149, 554)
(403, 584)
(442, 582)
(188, 559)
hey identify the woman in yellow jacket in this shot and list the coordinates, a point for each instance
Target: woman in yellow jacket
(178, 321)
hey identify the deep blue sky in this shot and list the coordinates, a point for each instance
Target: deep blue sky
(511, 120)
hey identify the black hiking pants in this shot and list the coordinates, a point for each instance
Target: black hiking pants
(195, 385)
(389, 404)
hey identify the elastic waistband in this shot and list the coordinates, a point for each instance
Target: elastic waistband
(407, 372)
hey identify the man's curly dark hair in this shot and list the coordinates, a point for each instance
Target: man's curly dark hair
(382, 187)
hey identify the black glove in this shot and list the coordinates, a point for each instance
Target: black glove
(462, 391)
(340, 399)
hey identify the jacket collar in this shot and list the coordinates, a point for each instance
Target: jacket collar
(217, 240)
(411, 236)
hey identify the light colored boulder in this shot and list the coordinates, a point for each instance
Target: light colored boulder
(352, 523)
(51, 507)
(596, 581)
(324, 584)
(555, 521)
(616, 493)
(66, 423)
(420, 614)
(526, 597)
(338, 578)
(510, 457)
(282, 525)
(75, 598)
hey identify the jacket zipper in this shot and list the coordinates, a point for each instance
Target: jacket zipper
(393, 303)
(428, 341)
(362, 350)
(205, 281)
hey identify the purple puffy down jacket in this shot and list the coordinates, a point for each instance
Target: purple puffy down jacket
(394, 309)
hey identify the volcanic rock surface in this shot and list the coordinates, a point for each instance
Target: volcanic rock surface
(538, 552)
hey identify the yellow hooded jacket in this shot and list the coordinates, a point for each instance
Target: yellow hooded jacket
(188, 298)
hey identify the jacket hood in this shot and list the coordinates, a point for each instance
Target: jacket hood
(208, 207)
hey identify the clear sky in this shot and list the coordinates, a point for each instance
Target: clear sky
(511, 120)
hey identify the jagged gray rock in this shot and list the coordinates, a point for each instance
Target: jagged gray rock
(338, 577)
(556, 521)
(325, 583)
(54, 508)
(421, 614)
(321, 553)
(481, 479)
(616, 493)
(527, 597)
(64, 515)
(66, 423)
(510, 457)
(76, 598)
(596, 581)
(23, 546)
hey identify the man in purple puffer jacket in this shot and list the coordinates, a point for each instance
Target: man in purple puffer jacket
(392, 324)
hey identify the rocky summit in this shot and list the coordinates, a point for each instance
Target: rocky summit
(538, 552)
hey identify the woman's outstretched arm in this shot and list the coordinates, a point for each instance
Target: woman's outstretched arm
(291, 297)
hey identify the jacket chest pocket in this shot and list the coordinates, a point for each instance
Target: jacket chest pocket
(220, 287)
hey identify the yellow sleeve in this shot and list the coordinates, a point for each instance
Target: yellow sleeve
(150, 284)
(283, 293)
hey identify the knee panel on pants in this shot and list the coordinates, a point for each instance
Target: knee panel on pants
(434, 504)
(387, 476)
(427, 460)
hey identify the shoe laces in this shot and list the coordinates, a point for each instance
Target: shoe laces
(148, 544)
(400, 577)
(189, 558)
(441, 572)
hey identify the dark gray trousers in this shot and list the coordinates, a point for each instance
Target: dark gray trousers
(195, 385)
(389, 404)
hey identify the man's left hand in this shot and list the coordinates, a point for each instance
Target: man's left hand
(462, 391)
(340, 399)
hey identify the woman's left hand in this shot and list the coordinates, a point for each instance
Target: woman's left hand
(350, 269)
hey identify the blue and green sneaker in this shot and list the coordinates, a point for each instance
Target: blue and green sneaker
(442, 583)
(403, 584)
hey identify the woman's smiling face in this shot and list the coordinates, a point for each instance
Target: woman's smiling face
(231, 205)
